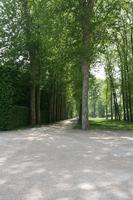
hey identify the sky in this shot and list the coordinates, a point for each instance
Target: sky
(99, 72)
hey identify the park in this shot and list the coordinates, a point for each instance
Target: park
(66, 100)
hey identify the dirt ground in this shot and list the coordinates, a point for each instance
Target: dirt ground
(60, 163)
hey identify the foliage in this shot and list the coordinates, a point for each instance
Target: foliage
(10, 116)
(110, 125)
(6, 97)
(103, 124)
(43, 45)
(20, 117)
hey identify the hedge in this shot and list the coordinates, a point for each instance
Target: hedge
(15, 117)
(11, 116)
(6, 97)
(20, 117)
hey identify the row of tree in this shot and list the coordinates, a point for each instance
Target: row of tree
(52, 47)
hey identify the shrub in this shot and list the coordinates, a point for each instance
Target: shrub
(15, 117)
(6, 97)
(11, 116)
(20, 116)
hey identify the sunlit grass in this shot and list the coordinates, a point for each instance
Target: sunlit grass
(101, 123)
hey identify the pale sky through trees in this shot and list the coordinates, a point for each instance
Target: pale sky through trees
(99, 72)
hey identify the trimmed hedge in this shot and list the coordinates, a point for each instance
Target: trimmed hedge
(17, 116)
(6, 97)
(44, 117)
(11, 116)
(20, 117)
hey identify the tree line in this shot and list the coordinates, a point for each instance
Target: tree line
(47, 52)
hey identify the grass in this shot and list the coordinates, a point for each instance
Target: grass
(103, 124)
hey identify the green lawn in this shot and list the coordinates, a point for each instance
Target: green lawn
(110, 125)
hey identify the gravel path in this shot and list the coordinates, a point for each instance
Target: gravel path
(59, 163)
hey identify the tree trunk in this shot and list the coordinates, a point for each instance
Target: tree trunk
(106, 110)
(80, 112)
(94, 111)
(33, 49)
(85, 96)
(111, 106)
(132, 40)
(38, 104)
(123, 94)
(33, 105)
(86, 14)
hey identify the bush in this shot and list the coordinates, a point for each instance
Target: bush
(20, 116)
(15, 117)
(44, 117)
(10, 116)
(6, 97)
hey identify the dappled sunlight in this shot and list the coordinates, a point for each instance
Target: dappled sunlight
(67, 176)
(111, 138)
(87, 171)
(34, 194)
(32, 137)
(65, 198)
(18, 168)
(98, 158)
(2, 160)
(36, 172)
(127, 138)
(66, 164)
(86, 186)
(3, 181)
(120, 193)
(62, 146)
(63, 186)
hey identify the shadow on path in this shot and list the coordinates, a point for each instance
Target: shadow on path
(57, 162)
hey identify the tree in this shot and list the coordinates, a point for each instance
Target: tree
(86, 14)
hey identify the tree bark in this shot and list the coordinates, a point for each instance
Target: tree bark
(85, 96)
(33, 50)
(111, 106)
(38, 104)
(86, 13)
(80, 112)
(33, 105)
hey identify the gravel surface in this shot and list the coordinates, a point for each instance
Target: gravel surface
(60, 163)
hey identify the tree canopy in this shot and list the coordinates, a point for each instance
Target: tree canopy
(47, 52)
